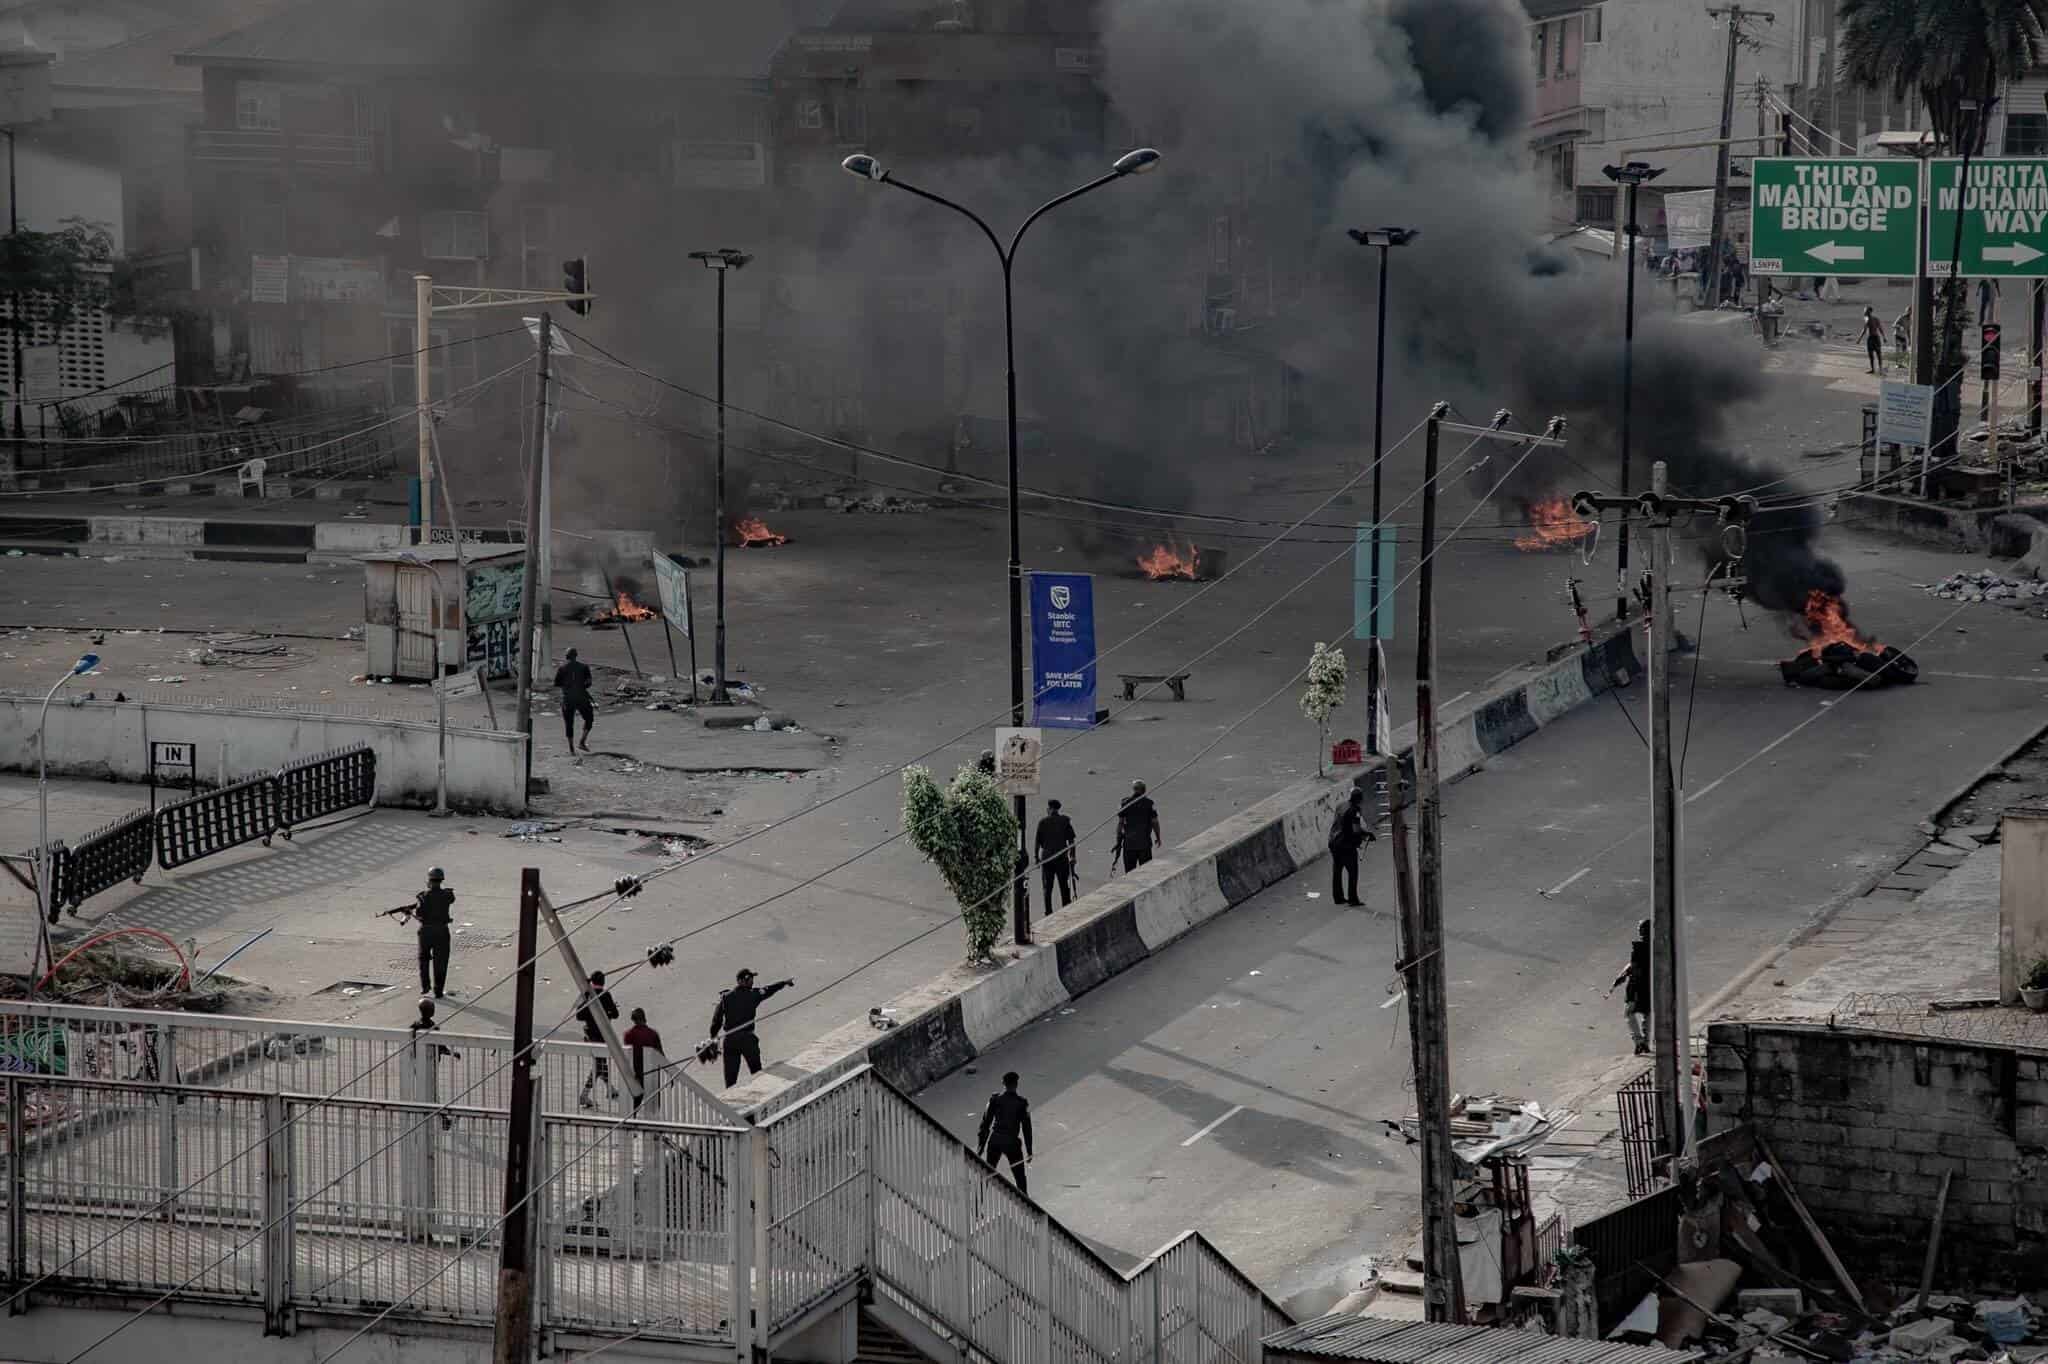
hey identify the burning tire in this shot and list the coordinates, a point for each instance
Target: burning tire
(1843, 667)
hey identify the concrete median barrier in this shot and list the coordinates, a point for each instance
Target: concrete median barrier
(948, 1021)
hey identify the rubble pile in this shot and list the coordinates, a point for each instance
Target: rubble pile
(879, 503)
(1984, 585)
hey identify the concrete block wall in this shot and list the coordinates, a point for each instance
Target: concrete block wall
(1867, 1123)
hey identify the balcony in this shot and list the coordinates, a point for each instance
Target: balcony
(276, 149)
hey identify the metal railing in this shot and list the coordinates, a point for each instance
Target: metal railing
(271, 147)
(255, 1185)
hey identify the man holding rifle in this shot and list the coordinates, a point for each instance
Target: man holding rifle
(433, 908)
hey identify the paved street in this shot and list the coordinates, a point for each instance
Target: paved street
(1237, 1082)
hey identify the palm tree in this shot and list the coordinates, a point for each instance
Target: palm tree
(1955, 55)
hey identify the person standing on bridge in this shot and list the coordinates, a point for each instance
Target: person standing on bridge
(595, 998)
(433, 908)
(1137, 828)
(1054, 845)
(732, 1024)
(1006, 1130)
(573, 677)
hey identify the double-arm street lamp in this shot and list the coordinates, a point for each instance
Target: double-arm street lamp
(1635, 175)
(1386, 239)
(1130, 163)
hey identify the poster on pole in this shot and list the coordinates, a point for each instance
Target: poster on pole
(1063, 650)
(672, 583)
(1689, 218)
(1018, 752)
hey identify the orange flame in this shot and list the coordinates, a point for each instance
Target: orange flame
(1827, 622)
(1169, 561)
(1553, 525)
(752, 532)
(623, 608)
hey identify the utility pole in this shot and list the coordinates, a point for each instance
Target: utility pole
(1443, 1282)
(1634, 175)
(513, 1342)
(1735, 15)
(530, 576)
(422, 384)
(1670, 1022)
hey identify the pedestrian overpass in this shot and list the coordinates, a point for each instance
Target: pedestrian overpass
(178, 1186)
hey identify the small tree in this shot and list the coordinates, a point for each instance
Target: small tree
(1326, 675)
(966, 828)
(57, 275)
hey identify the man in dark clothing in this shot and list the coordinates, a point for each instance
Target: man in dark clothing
(1347, 835)
(595, 998)
(732, 1024)
(1137, 828)
(639, 1041)
(425, 1024)
(432, 908)
(1053, 845)
(573, 677)
(1635, 1000)
(1006, 1130)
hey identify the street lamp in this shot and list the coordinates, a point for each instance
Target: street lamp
(45, 910)
(1135, 162)
(1385, 238)
(440, 692)
(1635, 175)
(723, 260)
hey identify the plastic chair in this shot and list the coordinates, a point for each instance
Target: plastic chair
(251, 476)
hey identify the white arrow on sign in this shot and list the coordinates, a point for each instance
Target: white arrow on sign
(1831, 252)
(2018, 253)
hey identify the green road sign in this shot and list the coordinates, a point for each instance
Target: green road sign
(2005, 218)
(1835, 216)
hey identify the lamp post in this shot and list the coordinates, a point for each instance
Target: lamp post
(1635, 175)
(440, 691)
(723, 260)
(1385, 238)
(44, 909)
(1130, 163)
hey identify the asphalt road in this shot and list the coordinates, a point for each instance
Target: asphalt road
(1236, 1082)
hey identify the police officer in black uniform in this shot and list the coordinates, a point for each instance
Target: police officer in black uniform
(432, 908)
(732, 1024)
(1006, 1130)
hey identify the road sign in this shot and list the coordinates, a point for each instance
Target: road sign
(455, 686)
(1689, 218)
(1836, 216)
(162, 754)
(1018, 754)
(2005, 218)
(1905, 413)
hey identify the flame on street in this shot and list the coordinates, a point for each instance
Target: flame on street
(1553, 525)
(1827, 622)
(1170, 561)
(752, 532)
(623, 608)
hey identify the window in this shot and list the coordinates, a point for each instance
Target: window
(1564, 167)
(810, 113)
(537, 263)
(259, 106)
(1590, 25)
(2026, 134)
(1596, 206)
(1542, 51)
(454, 236)
(1564, 28)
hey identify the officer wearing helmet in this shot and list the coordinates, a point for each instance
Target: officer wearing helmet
(732, 1024)
(432, 907)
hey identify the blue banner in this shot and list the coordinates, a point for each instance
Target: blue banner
(1063, 650)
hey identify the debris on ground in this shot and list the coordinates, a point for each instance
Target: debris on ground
(535, 831)
(1984, 585)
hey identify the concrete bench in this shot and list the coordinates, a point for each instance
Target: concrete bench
(1175, 683)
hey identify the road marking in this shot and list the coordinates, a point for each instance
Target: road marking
(1214, 1125)
(1456, 699)
(1558, 889)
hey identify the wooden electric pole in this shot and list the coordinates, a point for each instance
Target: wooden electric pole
(1717, 239)
(514, 1336)
(530, 585)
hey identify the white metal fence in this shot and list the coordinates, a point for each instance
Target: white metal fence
(247, 1180)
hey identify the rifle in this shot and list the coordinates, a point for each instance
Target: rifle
(1116, 853)
(401, 911)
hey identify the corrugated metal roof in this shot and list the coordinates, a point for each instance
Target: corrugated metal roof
(1376, 1340)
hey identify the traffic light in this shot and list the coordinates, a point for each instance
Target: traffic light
(576, 280)
(1988, 356)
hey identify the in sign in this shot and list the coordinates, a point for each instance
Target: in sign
(163, 754)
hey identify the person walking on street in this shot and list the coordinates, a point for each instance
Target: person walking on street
(1137, 828)
(1347, 835)
(594, 999)
(1006, 1130)
(1873, 340)
(732, 1024)
(643, 1052)
(573, 677)
(1635, 1000)
(432, 907)
(1053, 845)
